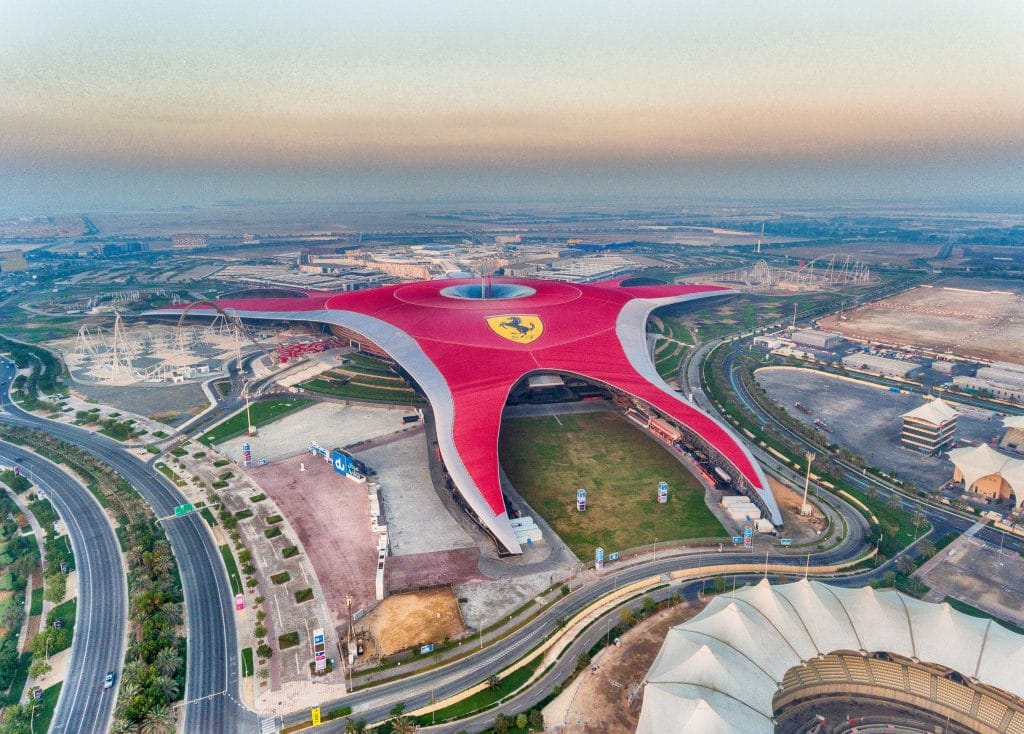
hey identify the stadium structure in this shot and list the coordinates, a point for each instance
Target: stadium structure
(989, 473)
(468, 343)
(808, 656)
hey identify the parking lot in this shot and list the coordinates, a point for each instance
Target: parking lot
(865, 419)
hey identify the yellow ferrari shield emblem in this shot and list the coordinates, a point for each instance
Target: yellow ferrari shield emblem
(517, 328)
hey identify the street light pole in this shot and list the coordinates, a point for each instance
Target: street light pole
(805, 509)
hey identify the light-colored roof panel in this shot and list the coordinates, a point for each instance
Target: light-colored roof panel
(711, 673)
(936, 411)
(1013, 421)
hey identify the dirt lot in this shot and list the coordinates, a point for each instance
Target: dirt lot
(419, 618)
(975, 572)
(458, 566)
(331, 515)
(970, 323)
(872, 253)
(603, 702)
(799, 529)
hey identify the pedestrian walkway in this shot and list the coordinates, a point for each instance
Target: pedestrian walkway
(973, 530)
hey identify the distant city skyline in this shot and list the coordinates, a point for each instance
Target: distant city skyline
(119, 104)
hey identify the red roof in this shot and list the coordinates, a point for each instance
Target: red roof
(481, 366)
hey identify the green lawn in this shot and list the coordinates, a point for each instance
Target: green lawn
(483, 699)
(263, 412)
(247, 667)
(45, 707)
(66, 614)
(36, 606)
(619, 466)
(404, 396)
(229, 563)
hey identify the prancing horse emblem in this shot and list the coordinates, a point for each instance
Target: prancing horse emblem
(518, 328)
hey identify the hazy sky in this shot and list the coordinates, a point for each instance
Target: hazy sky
(105, 99)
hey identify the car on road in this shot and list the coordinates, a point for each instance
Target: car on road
(108, 681)
(239, 602)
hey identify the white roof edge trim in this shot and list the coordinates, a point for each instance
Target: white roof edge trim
(631, 329)
(406, 352)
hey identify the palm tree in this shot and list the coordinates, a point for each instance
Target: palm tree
(905, 564)
(158, 720)
(172, 610)
(402, 725)
(355, 726)
(167, 662)
(165, 687)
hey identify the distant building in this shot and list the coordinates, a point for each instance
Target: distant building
(930, 427)
(817, 339)
(188, 241)
(879, 365)
(768, 342)
(1014, 436)
(995, 389)
(987, 472)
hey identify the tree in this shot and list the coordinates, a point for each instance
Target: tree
(39, 667)
(165, 687)
(158, 720)
(402, 725)
(355, 726)
(649, 604)
(493, 682)
(521, 721)
(264, 650)
(905, 564)
(627, 617)
(168, 662)
(895, 501)
(582, 661)
(926, 549)
(536, 720)
(502, 724)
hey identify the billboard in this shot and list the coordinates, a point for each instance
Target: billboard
(662, 492)
(581, 500)
(599, 558)
(342, 462)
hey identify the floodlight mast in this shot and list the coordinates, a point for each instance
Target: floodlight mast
(805, 509)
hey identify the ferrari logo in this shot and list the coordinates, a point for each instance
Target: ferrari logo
(520, 329)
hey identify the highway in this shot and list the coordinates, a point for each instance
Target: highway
(84, 706)
(212, 672)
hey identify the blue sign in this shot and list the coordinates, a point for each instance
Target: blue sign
(427, 649)
(599, 558)
(318, 639)
(747, 532)
(785, 541)
(613, 556)
(342, 462)
(737, 539)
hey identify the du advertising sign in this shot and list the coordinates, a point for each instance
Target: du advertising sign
(342, 462)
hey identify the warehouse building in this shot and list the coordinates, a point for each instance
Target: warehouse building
(879, 365)
(929, 427)
(817, 339)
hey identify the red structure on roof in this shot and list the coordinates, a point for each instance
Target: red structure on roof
(467, 344)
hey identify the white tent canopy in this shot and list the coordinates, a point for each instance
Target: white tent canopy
(936, 411)
(719, 671)
(978, 462)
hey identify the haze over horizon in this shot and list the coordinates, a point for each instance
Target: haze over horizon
(110, 105)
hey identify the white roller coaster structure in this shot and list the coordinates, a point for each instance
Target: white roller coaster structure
(822, 273)
(155, 353)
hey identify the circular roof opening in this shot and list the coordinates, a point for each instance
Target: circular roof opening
(490, 292)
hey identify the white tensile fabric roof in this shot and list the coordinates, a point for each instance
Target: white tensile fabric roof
(978, 462)
(717, 673)
(936, 411)
(1013, 421)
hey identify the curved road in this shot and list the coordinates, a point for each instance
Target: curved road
(84, 706)
(212, 675)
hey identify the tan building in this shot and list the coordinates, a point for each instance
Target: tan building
(930, 427)
(984, 470)
(1014, 436)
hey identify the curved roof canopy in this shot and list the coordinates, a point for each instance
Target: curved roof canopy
(467, 345)
(719, 671)
(978, 462)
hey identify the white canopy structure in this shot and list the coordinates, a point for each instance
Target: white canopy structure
(977, 462)
(936, 411)
(718, 672)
